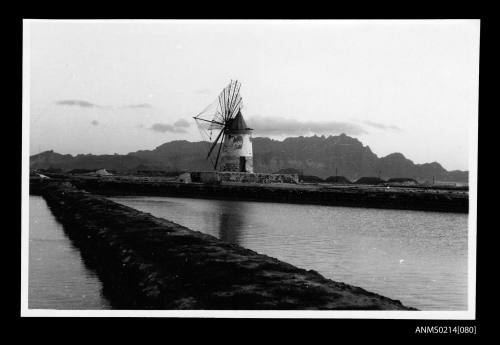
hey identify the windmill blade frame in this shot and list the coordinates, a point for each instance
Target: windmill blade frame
(218, 115)
(215, 141)
(218, 153)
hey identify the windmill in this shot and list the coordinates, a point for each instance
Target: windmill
(222, 124)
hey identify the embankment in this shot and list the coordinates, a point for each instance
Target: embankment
(360, 196)
(146, 262)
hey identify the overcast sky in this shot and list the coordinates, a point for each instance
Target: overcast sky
(116, 87)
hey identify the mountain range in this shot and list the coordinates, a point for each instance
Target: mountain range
(316, 155)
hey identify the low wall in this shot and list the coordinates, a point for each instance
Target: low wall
(146, 262)
(358, 196)
(242, 177)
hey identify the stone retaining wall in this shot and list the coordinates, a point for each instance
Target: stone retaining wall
(241, 177)
(334, 196)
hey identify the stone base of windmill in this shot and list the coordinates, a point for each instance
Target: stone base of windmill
(241, 177)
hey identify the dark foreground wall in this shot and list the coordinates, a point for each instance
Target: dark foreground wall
(151, 263)
(403, 199)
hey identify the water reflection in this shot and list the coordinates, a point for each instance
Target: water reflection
(232, 221)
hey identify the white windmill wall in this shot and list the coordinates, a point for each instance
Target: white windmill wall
(236, 145)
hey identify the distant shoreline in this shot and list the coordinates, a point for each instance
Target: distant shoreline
(315, 156)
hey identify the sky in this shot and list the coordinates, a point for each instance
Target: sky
(106, 87)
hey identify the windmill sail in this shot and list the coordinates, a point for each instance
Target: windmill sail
(213, 120)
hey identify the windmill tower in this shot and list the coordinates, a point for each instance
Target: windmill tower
(223, 125)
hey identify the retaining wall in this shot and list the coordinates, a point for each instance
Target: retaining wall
(242, 177)
(394, 198)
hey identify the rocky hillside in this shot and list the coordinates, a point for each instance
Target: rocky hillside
(345, 156)
(319, 156)
(53, 160)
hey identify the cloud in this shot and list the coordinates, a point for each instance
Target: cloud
(203, 91)
(138, 106)
(163, 127)
(77, 103)
(86, 104)
(178, 127)
(95, 122)
(182, 123)
(382, 126)
(283, 126)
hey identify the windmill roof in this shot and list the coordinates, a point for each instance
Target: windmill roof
(237, 123)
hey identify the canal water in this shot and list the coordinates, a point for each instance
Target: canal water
(417, 257)
(57, 278)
